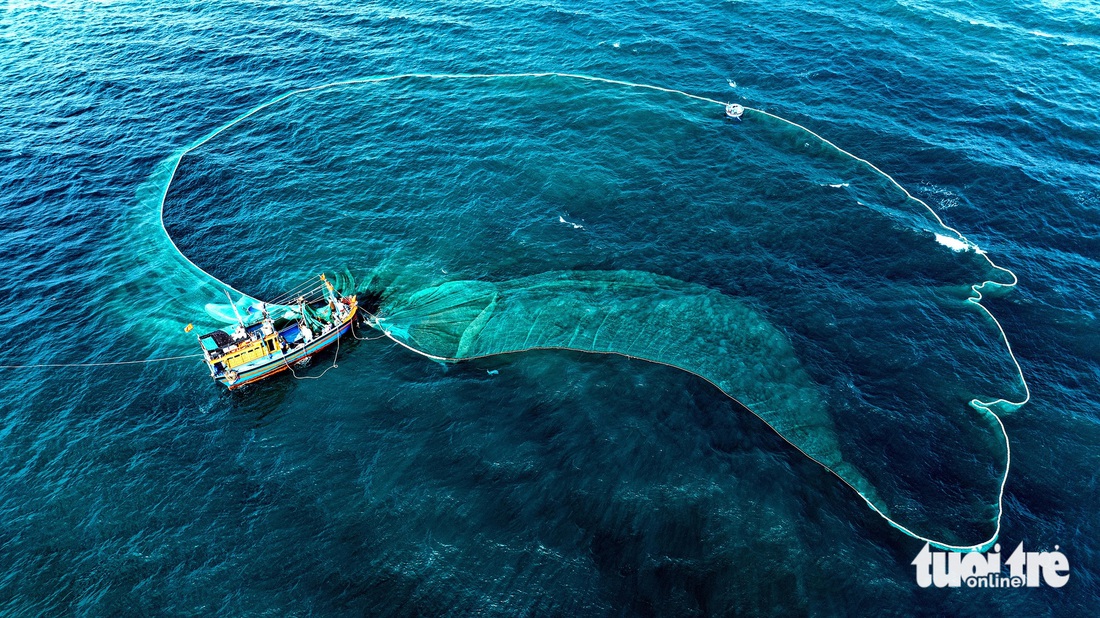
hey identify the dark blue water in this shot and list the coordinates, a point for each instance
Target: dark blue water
(546, 482)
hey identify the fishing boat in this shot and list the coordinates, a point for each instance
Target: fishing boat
(266, 345)
(735, 111)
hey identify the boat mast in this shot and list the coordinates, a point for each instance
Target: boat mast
(240, 320)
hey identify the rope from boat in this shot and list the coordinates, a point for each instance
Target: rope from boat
(129, 362)
(294, 290)
(382, 336)
(307, 292)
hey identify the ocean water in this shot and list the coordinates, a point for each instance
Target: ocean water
(550, 482)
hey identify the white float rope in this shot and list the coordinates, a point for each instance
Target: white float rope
(128, 362)
(976, 288)
(382, 336)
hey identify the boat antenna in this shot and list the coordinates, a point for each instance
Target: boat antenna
(234, 305)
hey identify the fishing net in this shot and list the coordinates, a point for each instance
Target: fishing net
(635, 314)
(798, 279)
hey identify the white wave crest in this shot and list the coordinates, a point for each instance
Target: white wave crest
(953, 244)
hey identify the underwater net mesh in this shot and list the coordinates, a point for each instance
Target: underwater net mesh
(634, 314)
(567, 212)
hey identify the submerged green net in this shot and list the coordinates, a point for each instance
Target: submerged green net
(635, 314)
(798, 279)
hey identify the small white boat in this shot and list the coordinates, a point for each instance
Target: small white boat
(734, 110)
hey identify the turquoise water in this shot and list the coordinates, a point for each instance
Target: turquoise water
(817, 308)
